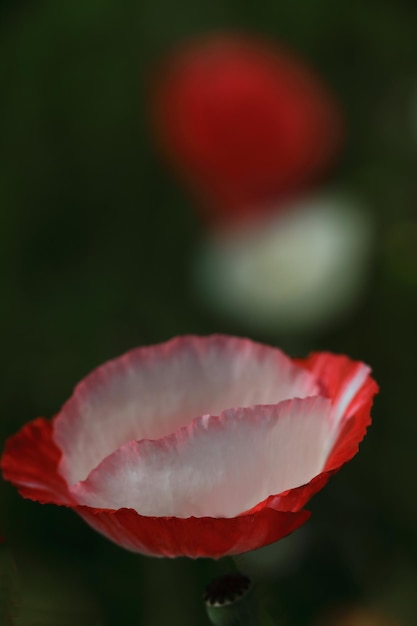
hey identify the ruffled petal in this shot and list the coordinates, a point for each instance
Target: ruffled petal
(151, 392)
(30, 461)
(193, 537)
(295, 499)
(349, 384)
(353, 430)
(217, 466)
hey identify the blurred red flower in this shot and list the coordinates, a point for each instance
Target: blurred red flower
(198, 446)
(245, 123)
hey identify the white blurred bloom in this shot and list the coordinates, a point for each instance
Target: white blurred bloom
(294, 272)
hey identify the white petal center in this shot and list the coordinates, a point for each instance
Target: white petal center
(150, 393)
(218, 466)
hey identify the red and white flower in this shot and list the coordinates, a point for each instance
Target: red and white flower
(198, 446)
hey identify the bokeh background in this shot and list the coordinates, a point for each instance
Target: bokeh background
(97, 240)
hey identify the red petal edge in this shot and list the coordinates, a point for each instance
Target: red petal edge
(333, 371)
(30, 462)
(194, 536)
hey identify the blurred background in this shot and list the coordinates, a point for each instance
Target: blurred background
(104, 247)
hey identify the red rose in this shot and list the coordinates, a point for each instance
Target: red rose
(198, 446)
(245, 123)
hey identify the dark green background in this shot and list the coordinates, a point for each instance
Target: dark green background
(96, 239)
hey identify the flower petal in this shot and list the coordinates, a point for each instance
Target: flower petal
(151, 392)
(294, 499)
(30, 461)
(352, 389)
(193, 537)
(217, 466)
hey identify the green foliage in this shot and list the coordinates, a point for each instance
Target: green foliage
(9, 588)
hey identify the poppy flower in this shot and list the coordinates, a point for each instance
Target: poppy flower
(297, 271)
(196, 447)
(244, 123)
